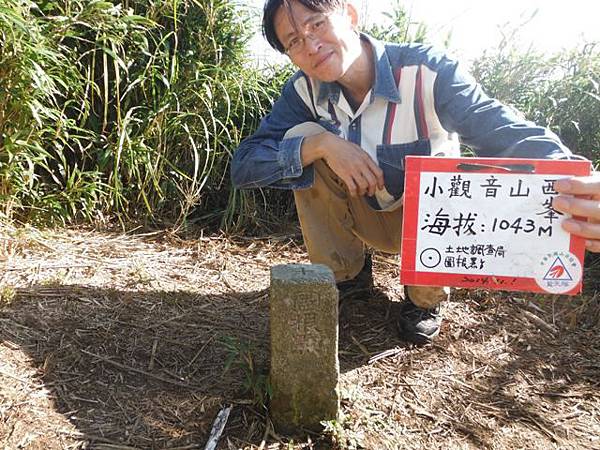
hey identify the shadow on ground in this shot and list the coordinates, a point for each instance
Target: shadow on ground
(147, 369)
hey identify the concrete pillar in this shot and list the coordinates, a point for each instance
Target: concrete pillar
(304, 346)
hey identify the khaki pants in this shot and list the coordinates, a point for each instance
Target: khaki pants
(336, 227)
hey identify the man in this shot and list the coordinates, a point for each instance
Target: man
(340, 131)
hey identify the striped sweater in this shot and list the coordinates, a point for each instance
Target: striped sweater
(421, 103)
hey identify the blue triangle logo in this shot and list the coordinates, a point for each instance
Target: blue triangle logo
(558, 271)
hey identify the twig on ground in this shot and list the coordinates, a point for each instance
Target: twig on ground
(39, 267)
(14, 377)
(385, 354)
(218, 428)
(141, 372)
(362, 348)
(153, 354)
(540, 322)
(263, 441)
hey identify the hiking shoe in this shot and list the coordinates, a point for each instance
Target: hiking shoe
(361, 283)
(418, 325)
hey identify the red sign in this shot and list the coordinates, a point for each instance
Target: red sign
(489, 222)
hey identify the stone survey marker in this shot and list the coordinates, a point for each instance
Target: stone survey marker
(304, 346)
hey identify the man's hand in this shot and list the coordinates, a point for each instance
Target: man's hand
(585, 204)
(358, 171)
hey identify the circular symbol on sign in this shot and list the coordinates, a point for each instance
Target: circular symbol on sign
(559, 272)
(431, 258)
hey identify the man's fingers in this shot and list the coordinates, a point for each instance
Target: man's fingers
(351, 185)
(593, 246)
(579, 185)
(578, 207)
(361, 183)
(371, 182)
(368, 175)
(587, 230)
(377, 172)
(584, 208)
(356, 168)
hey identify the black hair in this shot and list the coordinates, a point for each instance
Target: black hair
(272, 6)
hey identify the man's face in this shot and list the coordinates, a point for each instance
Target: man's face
(328, 44)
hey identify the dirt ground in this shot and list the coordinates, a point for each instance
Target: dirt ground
(121, 341)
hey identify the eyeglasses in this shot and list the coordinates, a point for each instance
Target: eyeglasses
(313, 30)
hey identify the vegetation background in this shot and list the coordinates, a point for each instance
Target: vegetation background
(129, 110)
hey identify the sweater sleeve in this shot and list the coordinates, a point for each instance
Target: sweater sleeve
(267, 158)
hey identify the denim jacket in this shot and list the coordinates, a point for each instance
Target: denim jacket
(420, 104)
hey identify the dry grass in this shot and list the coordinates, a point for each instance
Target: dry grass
(115, 341)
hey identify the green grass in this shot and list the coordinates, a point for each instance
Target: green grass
(560, 91)
(136, 109)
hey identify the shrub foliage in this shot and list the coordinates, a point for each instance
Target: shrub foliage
(127, 108)
(131, 109)
(560, 91)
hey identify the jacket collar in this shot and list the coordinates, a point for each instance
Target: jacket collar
(385, 85)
